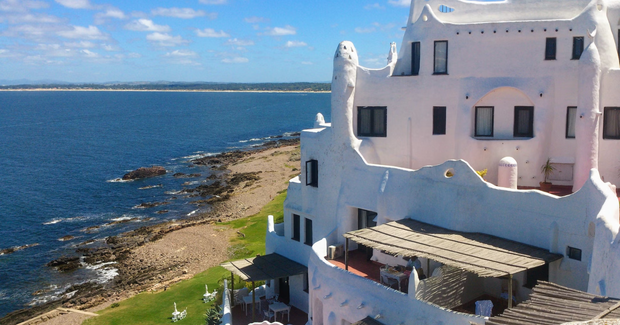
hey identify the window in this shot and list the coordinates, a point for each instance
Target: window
(484, 122)
(524, 122)
(534, 275)
(439, 120)
(415, 58)
(306, 286)
(577, 47)
(308, 239)
(296, 227)
(366, 218)
(573, 253)
(312, 173)
(571, 114)
(441, 57)
(611, 124)
(550, 48)
(372, 121)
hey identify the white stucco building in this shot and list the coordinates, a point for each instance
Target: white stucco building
(472, 83)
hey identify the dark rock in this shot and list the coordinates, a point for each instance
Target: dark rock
(65, 263)
(145, 172)
(149, 205)
(151, 186)
(65, 238)
(162, 211)
(16, 248)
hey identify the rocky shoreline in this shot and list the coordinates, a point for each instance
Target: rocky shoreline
(139, 275)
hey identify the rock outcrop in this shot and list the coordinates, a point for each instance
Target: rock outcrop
(145, 172)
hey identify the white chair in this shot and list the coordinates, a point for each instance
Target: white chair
(484, 308)
(288, 314)
(175, 314)
(390, 282)
(239, 294)
(208, 296)
(268, 314)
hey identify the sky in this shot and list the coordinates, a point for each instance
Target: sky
(192, 40)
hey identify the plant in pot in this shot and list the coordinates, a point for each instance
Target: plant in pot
(547, 169)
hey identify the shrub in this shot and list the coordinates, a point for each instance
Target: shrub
(213, 316)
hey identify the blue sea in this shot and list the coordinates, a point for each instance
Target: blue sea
(60, 153)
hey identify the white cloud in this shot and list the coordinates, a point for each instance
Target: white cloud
(295, 44)
(239, 42)
(164, 39)
(111, 12)
(76, 4)
(79, 32)
(182, 53)
(373, 6)
(255, 20)
(364, 30)
(134, 55)
(81, 44)
(400, 3)
(21, 5)
(27, 31)
(306, 63)
(89, 54)
(147, 25)
(282, 31)
(214, 2)
(210, 32)
(236, 60)
(183, 13)
(22, 18)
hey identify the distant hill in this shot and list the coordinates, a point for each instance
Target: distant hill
(166, 85)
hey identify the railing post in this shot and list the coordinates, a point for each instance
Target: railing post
(509, 291)
(346, 254)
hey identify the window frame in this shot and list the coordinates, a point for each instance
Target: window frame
(415, 58)
(308, 229)
(312, 167)
(530, 134)
(605, 114)
(296, 227)
(568, 110)
(492, 122)
(551, 56)
(576, 56)
(573, 253)
(441, 112)
(435, 58)
(372, 132)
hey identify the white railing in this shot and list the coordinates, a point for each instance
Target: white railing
(226, 310)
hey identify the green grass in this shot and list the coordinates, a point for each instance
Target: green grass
(156, 308)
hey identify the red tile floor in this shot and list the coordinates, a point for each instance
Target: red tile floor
(239, 316)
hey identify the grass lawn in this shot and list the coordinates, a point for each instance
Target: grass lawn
(156, 308)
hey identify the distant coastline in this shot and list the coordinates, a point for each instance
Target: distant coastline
(170, 90)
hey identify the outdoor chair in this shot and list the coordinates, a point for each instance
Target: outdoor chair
(288, 314)
(209, 296)
(484, 308)
(239, 294)
(268, 314)
(390, 282)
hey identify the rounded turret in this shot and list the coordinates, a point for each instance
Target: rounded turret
(343, 93)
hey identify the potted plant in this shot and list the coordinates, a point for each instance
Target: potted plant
(547, 169)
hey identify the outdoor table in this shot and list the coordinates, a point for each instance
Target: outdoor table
(248, 301)
(398, 276)
(277, 307)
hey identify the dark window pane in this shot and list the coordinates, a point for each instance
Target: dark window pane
(550, 48)
(415, 58)
(571, 114)
(524, 121)
(312, 173)
(441, 57)
(573, 253)
(484, 122)
(611, 124)
(296, 223)
(534, 275)
(577, 47)
(365, 126)
(379, 122)
(308, 239)
(439, 120)
(372, 121)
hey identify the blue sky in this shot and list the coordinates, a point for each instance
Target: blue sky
(191, 40)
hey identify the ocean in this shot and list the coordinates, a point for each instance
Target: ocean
(61, 153)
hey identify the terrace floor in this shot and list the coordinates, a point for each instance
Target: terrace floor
(358, 265)
(239, 317)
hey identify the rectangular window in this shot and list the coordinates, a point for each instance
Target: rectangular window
(611, 123)
(573, 253)
(484, 121)
(312, 173)
(441, 57)
(534, 275)
(372, 121)
(577, 47)
(366, 219)
(550, 48)
(306, 286)
(308, 239)
(524, 122)
(415, 58)
(571, 114)
(439, 120)
(296, 224)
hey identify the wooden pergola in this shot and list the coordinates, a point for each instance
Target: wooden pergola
(263, 268)
(482, 254)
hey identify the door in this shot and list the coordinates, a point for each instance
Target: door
(285, 294)
(366, 219)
